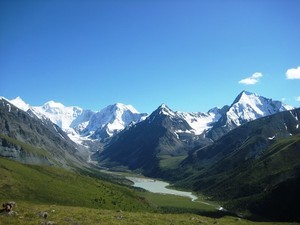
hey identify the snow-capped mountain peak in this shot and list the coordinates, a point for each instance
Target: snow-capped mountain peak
(123, 107)
(18, 102)
(61, 115)
(249, 106)
(165, 110)
(53, 104)
(112, 119)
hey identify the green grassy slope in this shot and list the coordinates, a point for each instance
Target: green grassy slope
(28, 214)
(42, 184)
(50, 185)
(267, 184)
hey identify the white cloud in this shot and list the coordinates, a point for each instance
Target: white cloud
(251, 80)
(293, 73)
(298, 98)
(257, 75)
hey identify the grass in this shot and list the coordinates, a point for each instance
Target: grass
(42, 184)
(179, 204)
(170, 162)
(249, 186)
(28, 214)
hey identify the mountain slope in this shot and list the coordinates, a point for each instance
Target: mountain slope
(249, 165)
(51, 185)
(31, 140)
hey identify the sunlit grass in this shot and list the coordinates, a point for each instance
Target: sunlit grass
(28, 214)
(42, 184)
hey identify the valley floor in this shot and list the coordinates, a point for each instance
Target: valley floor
(28, 213)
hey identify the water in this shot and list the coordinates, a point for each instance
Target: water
(160, 187)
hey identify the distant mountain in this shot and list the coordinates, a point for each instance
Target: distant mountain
(82, 125)
(111, 120)
(254, 167)
(26, 138)
(66, 117)
(246, 107)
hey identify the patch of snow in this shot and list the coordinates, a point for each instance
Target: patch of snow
(58, 132)
(184, 131)
(295, 116)
(3, 98)
(165, 110)
(285, 107)
(199, 122)
(176, 134)
(9, 107)
(271, 138)
(297, 126)
(285, 126)
(91, 161)
(78, 139)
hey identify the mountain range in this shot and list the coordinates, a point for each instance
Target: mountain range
(166, 137)
(80, 123)
(245, 154)
(83, 124)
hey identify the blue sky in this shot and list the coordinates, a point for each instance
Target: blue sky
(192, 55)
